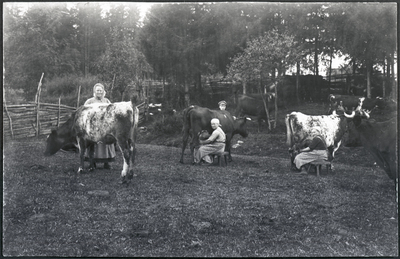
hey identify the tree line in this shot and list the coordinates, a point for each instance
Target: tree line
(181, 44)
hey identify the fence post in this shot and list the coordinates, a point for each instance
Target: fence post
(79, 96)
(59, 112)
(8, 115)
(37, 100)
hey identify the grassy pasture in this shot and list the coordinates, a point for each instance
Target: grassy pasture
(254, 207)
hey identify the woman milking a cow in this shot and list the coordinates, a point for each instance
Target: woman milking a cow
(102, 153)
(213, 144)
(315, 151)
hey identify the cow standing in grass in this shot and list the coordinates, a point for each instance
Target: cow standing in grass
(196, 119)
(106, 123)
(300, 126)
(350, 102)
(253, 105)
(378, 138)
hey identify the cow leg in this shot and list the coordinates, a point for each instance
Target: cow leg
(82, 149)
(127, 153)
(132, 154)
(91, 160)
(228, 146)
(192, 146)
(195, 141)
(185, 140)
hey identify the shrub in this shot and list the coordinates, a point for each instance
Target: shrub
(167, 124)
(67, 87)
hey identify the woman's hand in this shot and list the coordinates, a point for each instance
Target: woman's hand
(305, 149)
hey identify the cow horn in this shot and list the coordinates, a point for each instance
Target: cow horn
(351, 116)
(366, 113)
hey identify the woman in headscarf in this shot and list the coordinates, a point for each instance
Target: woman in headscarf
(102, 153)
(315, 151)
(215, 143)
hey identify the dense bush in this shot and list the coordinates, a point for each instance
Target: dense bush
(167, 123)
(67, 87)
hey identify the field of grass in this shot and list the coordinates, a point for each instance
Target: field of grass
(256, 206)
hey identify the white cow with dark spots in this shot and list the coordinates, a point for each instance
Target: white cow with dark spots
(299, 130)
(106, 123)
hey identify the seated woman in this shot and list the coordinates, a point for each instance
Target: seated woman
(215, 143)
(315, 151)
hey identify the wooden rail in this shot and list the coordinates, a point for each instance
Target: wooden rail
(21, 121)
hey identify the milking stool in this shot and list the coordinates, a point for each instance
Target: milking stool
(318, 165)
(219, 155)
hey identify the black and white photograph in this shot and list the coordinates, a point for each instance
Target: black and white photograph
(200, 129)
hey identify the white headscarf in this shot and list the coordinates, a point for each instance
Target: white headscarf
(94, 89)
(215, 120)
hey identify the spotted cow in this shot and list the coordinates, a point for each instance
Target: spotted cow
(106, 123)
(299, 131)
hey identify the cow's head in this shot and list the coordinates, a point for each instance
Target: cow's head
(358, 114)
(54, 143)
(240, 127)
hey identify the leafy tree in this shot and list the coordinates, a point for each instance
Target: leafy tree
(368, 35)
(273, 51)
(123, 63)
(41, 40)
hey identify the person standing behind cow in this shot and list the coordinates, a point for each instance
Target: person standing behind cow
(102, 153)
(315, 151)
(222, 105)
(215, 143)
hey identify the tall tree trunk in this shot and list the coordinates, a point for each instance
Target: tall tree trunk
(265, 100)
(330, 66)
(244, 86)
(316, 72)
(368, 65)
(298, 82)
(394, 85)
(353, 62)
(276, 95)
(384, 78)
(187, 96)
(86, 48)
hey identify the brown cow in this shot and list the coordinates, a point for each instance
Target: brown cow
(379, 138)
(253, 105)
(196, 119)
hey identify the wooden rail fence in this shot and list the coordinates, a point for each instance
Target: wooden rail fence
(30, 120)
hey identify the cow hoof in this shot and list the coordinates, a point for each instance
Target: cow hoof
(124, 180)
